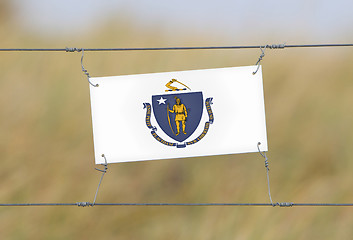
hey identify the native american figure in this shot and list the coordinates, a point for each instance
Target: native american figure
(180, 115)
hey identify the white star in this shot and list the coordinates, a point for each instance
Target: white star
(162, 100)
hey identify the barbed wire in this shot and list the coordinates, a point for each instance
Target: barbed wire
(271, 46)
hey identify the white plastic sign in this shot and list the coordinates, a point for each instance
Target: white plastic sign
(178, 114)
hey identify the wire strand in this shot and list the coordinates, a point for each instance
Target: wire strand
(272, 46)
(86, 204)
(103, 172)
(263, 154)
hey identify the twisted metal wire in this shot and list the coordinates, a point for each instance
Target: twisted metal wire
(260, 59)
(103, 172)
(88, 204)
(263, 154)
(270, 46)
(82, 67)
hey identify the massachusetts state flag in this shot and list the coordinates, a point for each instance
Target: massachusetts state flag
(178, 114)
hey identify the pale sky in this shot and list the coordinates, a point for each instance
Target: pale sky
(314, 20)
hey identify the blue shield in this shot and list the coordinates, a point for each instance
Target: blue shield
(178, 115)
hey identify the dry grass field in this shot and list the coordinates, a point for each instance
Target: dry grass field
(46, 146)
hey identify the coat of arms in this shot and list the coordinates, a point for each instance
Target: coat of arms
(178, 113)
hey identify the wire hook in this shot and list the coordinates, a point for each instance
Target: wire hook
(85, 71)
(260, 58)
(103, 172)
(263, 154)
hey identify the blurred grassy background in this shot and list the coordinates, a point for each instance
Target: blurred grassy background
(46, 145)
